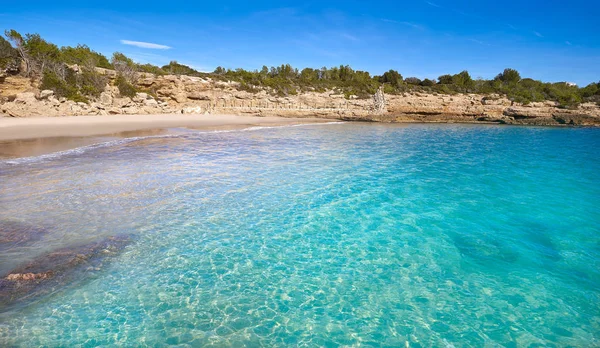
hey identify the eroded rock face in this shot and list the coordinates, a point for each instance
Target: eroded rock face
(57, 269)
(176, 94)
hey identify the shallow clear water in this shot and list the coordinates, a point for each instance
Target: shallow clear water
(326, 235)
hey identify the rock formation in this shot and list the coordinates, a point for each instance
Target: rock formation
(166, 94)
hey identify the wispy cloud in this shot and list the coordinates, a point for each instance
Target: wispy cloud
(537, 34)
(479, 42)
(145, 45)
(410, 24)
(413, 25)
(432, 4)
(349, 37)
(511, 26)
(569, 43)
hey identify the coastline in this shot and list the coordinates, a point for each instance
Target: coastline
(34, 136)
(73, 126)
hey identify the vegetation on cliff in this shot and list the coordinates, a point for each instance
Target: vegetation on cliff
(71, 72)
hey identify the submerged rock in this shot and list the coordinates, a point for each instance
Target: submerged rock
(15, 234)
(57, 269)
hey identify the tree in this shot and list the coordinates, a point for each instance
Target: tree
(427, 83)
(264, 71)
(463, 80)
(445, 79)
(412, 80)
(509, 76)
(220, 71)
(125, 67)
(83, 55)
(392, 77)
(179, 69)
(309, 75)
(9, 56)
(17, 41)
(43, 54)
(590, 90)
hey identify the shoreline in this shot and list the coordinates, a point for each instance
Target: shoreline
(35, 136)
(80, 126)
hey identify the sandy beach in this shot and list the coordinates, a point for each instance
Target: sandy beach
(72, 126)
(21, 137)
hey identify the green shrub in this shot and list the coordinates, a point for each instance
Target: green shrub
(60, 86)
(126, 89)
(63, 87)
(179, 69)
(84, 56)
(91, 83)
(152, 69)
(8, 55)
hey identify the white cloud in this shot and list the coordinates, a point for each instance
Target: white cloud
(479, 42)
(538, 34)
(413, 25)
(145, 45)
(568, 43)
(349, 37)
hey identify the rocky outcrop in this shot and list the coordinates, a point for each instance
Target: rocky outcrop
(186, 94)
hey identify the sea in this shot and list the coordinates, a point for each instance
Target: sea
(316, 235)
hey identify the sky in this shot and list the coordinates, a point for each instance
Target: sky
(546, 40)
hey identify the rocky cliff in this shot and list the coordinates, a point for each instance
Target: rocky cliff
(20, 97)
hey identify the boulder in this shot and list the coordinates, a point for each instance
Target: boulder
(106, 98)
(197, 96)
(45, 94)
(53, 101)
(140, 97)
(192, 110)
(25, 98)
(151, 102)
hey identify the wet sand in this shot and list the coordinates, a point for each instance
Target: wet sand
(24, 137)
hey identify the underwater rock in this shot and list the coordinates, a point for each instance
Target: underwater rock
(57, 269)
(15, 233)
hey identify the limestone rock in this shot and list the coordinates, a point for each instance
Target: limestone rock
(197, 96)
(106, 98)
(25, 98)
(45, 94)
(151, 102)
(192, 110)
(140, 97)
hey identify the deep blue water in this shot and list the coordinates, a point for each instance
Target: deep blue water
(322, 235)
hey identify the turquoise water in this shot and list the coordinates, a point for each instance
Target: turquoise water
(319, 235)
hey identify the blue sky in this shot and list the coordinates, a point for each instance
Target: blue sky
(546, 40)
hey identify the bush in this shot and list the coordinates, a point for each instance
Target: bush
(412, 80)
(9, 57)
(91, 82)
(84, 56)
(62, 87)
(392, 77)
(509, 76)
(151, 69)
(126, 89)
(427, 83)
(179, 69)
